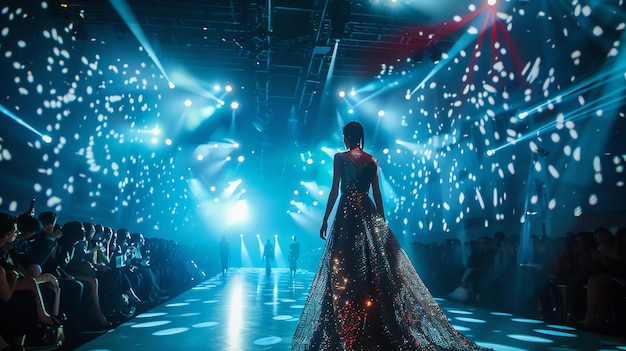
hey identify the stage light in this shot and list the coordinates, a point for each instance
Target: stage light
(188, 103)
(491, 2)
(234, 105)
(217, 88)
(351, 111)
(353, 92)
(381, 113)
(238, 213)
(168, 142)
(240, 159)
(228, 88)
(47, 139)
(342, 94)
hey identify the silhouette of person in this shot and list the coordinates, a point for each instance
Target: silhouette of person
(268, 256)
(224, 255)
(366, 294)
(294, 254)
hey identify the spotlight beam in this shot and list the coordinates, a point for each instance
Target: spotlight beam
(479, 43)
(126, 14)
(573, 116)
(23, 123)
(463, 42)
(585, 86)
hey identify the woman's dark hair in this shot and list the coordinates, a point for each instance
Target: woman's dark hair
(354, 132)
(47, 217)
(28, 224)
(72, 232)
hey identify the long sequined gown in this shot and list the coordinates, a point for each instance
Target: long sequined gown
(366, 294)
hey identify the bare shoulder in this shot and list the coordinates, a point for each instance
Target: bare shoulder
(369, 157)
(339, 155)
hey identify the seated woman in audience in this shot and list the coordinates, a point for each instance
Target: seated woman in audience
(572, 268)
(121, 252)
(20, 297)
(27, 262)
(139, 261)
(41, 247)
(609, 273)
(98, 252)
(8, 277)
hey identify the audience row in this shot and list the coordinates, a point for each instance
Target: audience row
(578, 279)
(58, 282)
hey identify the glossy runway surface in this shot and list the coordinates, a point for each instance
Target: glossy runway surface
(248, 311)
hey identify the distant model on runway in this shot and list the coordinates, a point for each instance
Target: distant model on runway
(268, 256)
(294, 254)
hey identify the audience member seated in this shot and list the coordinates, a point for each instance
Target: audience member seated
(468, 289)
(448, 258)
(22, 297)
(606, 280)
(498, 273)
(42, 246)
(572, 270)
(138, 262)
(99, 253)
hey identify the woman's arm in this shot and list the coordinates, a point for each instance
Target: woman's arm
(378, 199)
(332, 196)
(7, 284)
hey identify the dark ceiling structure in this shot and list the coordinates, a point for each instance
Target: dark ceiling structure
(284, 48)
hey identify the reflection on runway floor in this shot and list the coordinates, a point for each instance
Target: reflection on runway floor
(250, 311)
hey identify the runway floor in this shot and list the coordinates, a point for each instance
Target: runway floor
(249, 311)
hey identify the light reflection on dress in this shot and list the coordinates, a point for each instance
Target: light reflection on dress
(366, 294)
